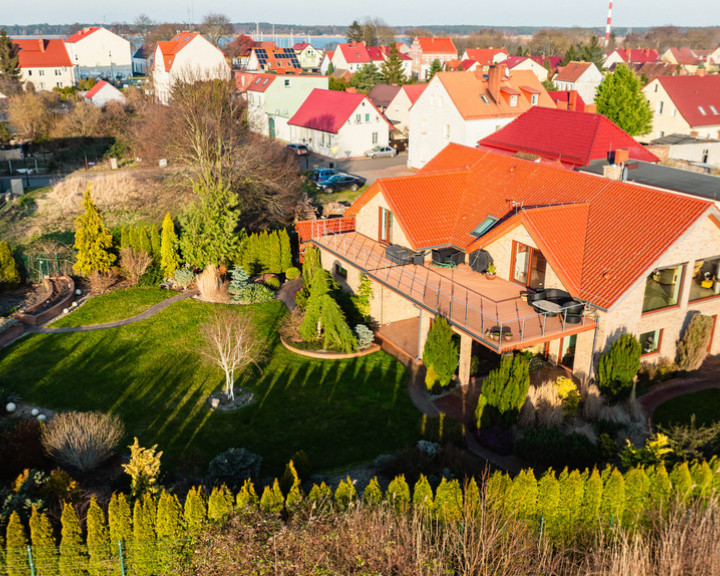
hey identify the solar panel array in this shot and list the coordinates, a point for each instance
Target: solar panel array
(283, 57)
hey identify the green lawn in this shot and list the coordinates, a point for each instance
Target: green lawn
(152, 374)
(113, 306)
(704, 404)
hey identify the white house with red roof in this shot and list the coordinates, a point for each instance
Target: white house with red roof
(96, 52)
(350, 56)
(630, 56)
(398, 110)
(308, 56)
(424, 51)
(464, 107)
(188, 57)
(486, 56)
(339, 124)
(528, 63)
(579, 260)
(584, 77)
(102, 93)
(688, 105)
(44, 63)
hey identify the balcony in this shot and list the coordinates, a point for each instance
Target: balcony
(490, 311)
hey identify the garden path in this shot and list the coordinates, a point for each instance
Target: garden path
(287, 291)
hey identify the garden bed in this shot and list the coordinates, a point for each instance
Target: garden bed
(329, 354)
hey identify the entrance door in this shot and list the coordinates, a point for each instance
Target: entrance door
(538, 264)
(271, 128)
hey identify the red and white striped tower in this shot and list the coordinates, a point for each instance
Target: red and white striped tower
(609, 22)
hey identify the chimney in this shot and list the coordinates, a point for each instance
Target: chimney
(572, 100)
(612, 172)
(495, 74)
(622, 155)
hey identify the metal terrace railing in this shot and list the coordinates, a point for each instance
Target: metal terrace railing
(501, 323)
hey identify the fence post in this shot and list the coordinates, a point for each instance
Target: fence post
(30, 559)
(122, 560)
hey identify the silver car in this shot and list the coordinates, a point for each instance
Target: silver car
(380, 151)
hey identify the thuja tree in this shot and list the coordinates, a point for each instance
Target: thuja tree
(9, 273)
(169, 258)
(16, 547)
(618, 367)
(73, 559)
(693, 346)
(44, 551)
(440, 354)
(93, 241)
(324, 319)
(98, 539)
(504, 392)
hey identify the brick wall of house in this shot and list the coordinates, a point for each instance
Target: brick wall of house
(367, 221)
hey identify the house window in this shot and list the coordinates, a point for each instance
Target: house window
(705, 282)
(484, 226)
(287, 83)
(528, 266)
(29, 72)
(374, 137)
(660, 107)
(385, 223)
(662, 288)
(656, 87)
(650, 341)
(534, 99)
(713, 109)
(513, 100)
(358, 118)
(367, 117)
(705, 156)
(58, 72)
(446, 131)
(340, 271)
(41, 73)
(673, 112)
(58, 84)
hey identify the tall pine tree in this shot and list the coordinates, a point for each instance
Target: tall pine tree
(9, 59)
(73, 559)
(98, 540)
(44, 548)
(391, 69)
(93, 240)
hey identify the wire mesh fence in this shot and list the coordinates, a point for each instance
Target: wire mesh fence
(39, 266)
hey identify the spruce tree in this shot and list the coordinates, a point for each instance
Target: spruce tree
(613, 496)
(16, 555)
(682, 483)
(621, 99)
(345, 495)
(637, 485)
(44, 548)
(448, 500)
(195, 509)
(144, 540)
(372, 495)
(549, 500)
(9, 58)
(73, 560)
(440, 354)
(365, 79)
(93, 240)
(435, 67)
(423, 500)
(592, 500)
(9, 272)
(169, 259)
(398, 494)
(220, 503)
(285, 250)
(320, 497)
(272, 500)
(98, 540)
(524, 495)
(247, 498)
(391, 69)
(354, 32)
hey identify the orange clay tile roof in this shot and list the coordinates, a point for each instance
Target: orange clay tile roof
(437, 46)
(42, 53)
(600, 236)
(170, 48)
(484, 55)
(572, 72)
(465, 88)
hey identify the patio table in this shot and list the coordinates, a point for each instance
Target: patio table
(547, 306)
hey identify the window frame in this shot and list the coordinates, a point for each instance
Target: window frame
(658, 344)
(717, 279)
(681, 286)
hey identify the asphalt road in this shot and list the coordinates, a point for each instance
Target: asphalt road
(368, 168)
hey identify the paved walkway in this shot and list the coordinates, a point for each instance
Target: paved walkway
(142, 316)
(287, 291)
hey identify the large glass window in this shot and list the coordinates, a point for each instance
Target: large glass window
(705, 282)
(650, 341)
(522, 257)
(662, 288)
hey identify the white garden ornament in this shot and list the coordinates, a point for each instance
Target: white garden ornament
(11, 407)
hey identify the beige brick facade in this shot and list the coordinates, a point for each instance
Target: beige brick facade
(367, 221)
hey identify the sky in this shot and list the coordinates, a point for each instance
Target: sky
(586, 13)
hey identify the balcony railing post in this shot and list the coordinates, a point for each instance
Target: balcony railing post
(544, 322)
(522, 331)
(467, 308)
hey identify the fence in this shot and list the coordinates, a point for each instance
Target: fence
(38, 266)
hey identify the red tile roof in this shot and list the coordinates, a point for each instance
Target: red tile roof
(552, 61)
(301, 46)
(95, 89)
(376, 53)
(354, 53)
(573, 138)
(572, 72)
(437, 46)
(600, 236)
(684, 55)
(413, 91)
(638, 55)
(253, 82)
(42, 53)
(484, 56)
(564, 96)
(329, 110)
(691, 93)
(84, 33)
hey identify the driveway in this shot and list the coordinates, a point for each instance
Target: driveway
(368, 168)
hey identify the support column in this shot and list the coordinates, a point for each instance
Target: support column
(424, 321)
(465, 356)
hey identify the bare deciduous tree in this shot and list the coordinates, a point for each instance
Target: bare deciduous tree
(215, 25)
(231, 343)
(142, 26)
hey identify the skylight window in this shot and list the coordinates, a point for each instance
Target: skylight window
(713, 110)
(702, 110)
(484, 99)
(484, 226)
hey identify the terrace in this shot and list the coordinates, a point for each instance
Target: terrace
(491, 311)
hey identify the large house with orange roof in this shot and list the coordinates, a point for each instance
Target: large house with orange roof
(44, 63)
(98, 53)
(579, 260)
(583, 77)
(464, 107)
(424, 51)
(188, 57)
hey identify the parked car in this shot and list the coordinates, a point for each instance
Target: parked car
(340, 182)
(320, 174)
(298, 149)
(381, 151)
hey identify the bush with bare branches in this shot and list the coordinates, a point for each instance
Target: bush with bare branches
(211, 285)
(101, 283)
(134, 263)
(82, 440)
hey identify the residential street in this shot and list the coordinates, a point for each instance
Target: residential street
(365, 167)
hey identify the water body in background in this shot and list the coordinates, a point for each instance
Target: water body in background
(320, 42)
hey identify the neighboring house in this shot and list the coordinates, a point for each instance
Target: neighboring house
(275, 60)
(425, 50)
(630, 56)
(342, 75)
(188, 57)
(684, 57)
(688, 105)
(104, 92)
(596, 243)
(350, 56)
(44, 63)
(464, 107)
(486, 57)
(570, 100)
(96, 52)
(651, 70)
(308, 56)
(382, 94)
(395, 102)
(572, 138)
(339, 124)
(527, 63)
(272, 100)
(142, 61)
(701, 151)
(325, 63)
(581, 76)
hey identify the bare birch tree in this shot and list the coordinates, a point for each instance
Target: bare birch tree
(231, 343)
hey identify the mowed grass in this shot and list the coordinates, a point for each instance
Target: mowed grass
(153, 375)
(114, 306)
(705, 404)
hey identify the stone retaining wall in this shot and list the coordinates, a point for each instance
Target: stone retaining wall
(54, 310)
(11, 334)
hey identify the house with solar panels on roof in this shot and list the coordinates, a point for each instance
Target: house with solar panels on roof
(275, 60)
(98, 53)
(577, 260)
(308, 56)
(189, 56)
